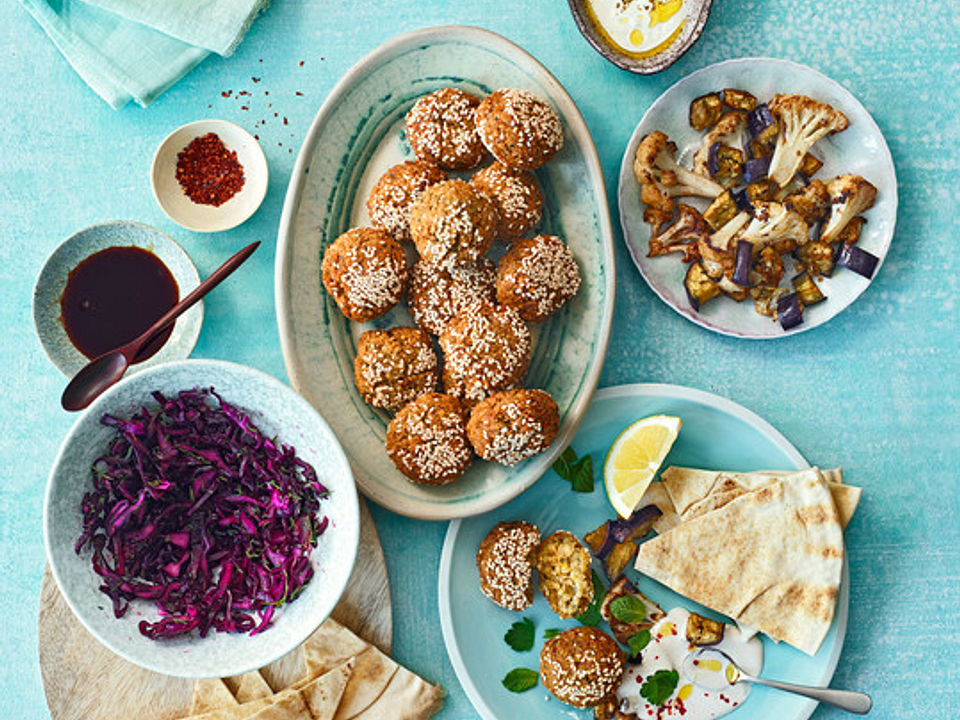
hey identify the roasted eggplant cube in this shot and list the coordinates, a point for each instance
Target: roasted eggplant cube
(700, 287)
(729, 166)
(619, 558)
(817, 257)
(721, 210)
(857, 259)
(760, 191)
(607, 707)
(810, 165)
(807, 289)
(705, 111)
(851, 232)
(761, 149)
(739, 100)
(703, 631)
(596, 539)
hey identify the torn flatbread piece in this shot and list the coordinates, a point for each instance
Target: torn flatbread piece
(211, 694)
(770, 559)
(323, 694)
(249, 686)
(695, 492)
(406, 697)
(656, 494)
(286, 705)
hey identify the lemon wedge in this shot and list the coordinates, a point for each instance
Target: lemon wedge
(634, 459)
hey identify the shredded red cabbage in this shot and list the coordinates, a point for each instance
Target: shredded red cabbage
(194, 508)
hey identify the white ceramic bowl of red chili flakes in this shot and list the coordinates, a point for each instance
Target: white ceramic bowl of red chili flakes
(244, 198)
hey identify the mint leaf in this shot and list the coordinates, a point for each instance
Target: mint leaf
(628, 609)
(563, 464)
(582, 479)
(521, 635)
(591, 616)
(638, 642)
(658, 688)
(551, 633)
(520, 680)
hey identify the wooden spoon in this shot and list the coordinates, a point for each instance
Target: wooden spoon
(102, 372)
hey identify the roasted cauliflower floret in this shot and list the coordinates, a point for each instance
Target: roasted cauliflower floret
(850, 195)
(768, 267)
(802, 121)
(682, 236)
(811, 203)
(723, 239)
(662, 179)
(774, 223)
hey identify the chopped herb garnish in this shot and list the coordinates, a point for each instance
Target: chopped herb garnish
(551, 633)
(520, 680)
(628, 609)
(578, 472)
(658, 688)
(521, 635)
(638, 642)
(591, 616)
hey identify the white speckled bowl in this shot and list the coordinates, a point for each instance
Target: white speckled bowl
(355, 137)
(277, 410)
(52, 280)
(859, 149)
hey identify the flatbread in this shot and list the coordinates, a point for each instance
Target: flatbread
(249, 686)
(286, 705)
(211, 694)
(770, 559)
(695, 492)
(330, 645)
(656, 494)
(407, 697)
(323, 694)
(371, 675)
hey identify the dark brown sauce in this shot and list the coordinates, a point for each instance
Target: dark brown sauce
(113, 296)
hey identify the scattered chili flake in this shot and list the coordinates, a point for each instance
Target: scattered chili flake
(299, 93)
(257, 138)
(266, 92)
(208, 172)
(276, 114)
(285, 121)
(243, 92)
(226, 93)
(301, 63)
(255, 79)
(244, 107)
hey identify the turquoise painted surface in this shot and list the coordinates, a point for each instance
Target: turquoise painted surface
(876, 389)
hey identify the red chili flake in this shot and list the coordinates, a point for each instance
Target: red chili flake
(266, 92)
(209, 106)
(285, 121)
(208, 172)
(261, 60)
(243, 92)
(256, 137)
(300, 93)
(276, 114)
(301, 63)
(226, 93)
(255, 79)
(244, 107)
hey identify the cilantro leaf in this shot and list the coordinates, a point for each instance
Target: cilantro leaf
(551, 633)
(591, 616)
(638, 642)
(521, 635)
(520, 680)
(658, 688)
(577, 471)
(582, 480)
(628, 609)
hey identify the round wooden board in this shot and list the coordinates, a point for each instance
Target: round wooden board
(83, 680)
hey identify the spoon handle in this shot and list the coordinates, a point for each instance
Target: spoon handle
(214, 279)
(849, 700)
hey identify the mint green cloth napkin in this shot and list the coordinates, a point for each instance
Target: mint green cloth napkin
(123, 60)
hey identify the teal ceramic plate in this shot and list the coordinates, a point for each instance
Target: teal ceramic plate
(860, 149)
(473, 627)
(52, 280)
(355, 137)
(279, 412)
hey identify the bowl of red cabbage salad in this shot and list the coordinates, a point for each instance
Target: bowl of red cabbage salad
(194, 509)
(201, 519)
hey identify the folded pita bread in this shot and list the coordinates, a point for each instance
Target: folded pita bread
(407, 697)
(656, 494)
(211, 694)
(286, 705)
(770, 559)
(323, 694)
(695, 492)
(249, 686)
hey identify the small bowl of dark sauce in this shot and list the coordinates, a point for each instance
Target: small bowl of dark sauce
(105, 285)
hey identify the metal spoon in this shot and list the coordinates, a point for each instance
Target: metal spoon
(102, 372)
(849, 700)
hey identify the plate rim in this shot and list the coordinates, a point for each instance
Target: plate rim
(626, 177)
(352, 508)
(644, 390)
(285, 239)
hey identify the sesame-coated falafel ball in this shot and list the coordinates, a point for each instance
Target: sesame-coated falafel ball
(396, 190)
(536, 276)
(515, 193)
(505, 563)
(581, 666)
(521, 130)
(395, 366)
(365, 271)
(435, 295)
(452, 224)
(512, 425)
(441, 128)
(427, 440)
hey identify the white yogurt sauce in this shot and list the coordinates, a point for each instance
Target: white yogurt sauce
(667, 650)
(640, 27)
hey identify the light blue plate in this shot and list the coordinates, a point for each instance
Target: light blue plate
(355, 137)
(716, 433)
(52, 280)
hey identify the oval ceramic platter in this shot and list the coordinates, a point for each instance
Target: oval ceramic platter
(473, 626)
(860, 149)
(355, 137)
